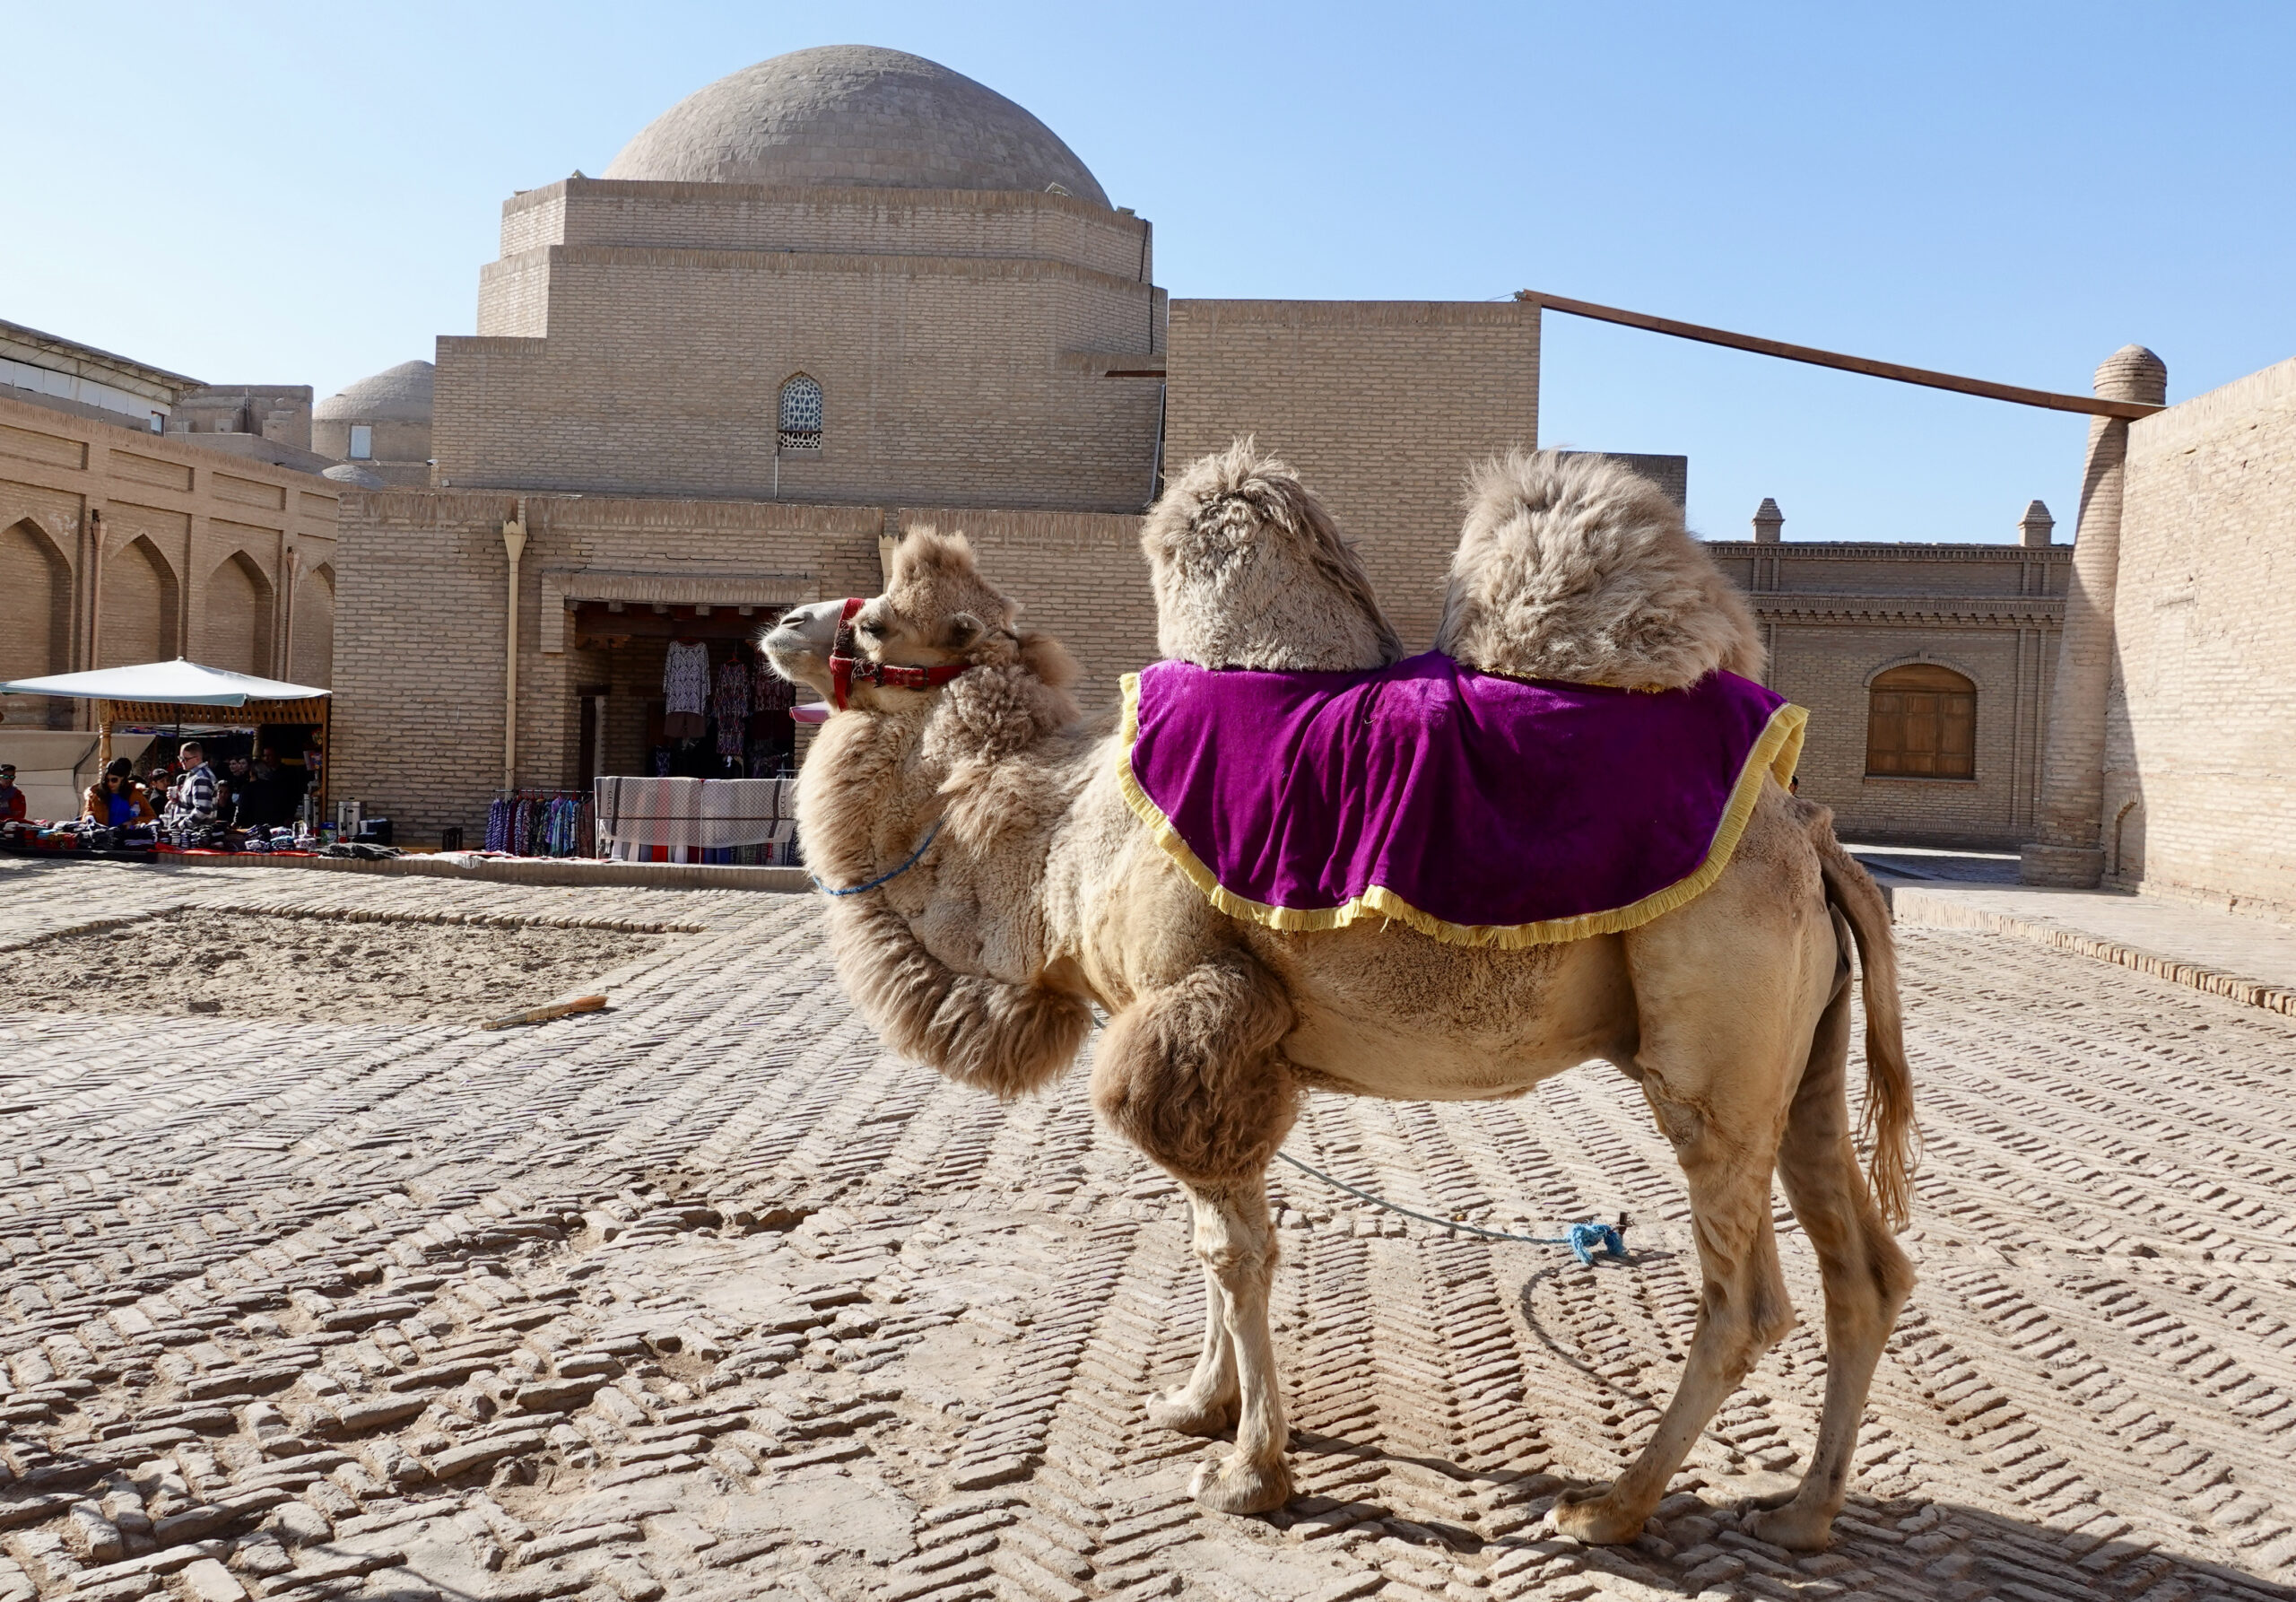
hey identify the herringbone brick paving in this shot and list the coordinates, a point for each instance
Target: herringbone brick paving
(710, 1296)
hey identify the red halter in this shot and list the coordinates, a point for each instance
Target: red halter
(845, 668)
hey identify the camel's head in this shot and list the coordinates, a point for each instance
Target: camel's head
(1251, 571)
(937, 612)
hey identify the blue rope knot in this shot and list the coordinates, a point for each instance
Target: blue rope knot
(1582, 1239)
(1585, 1236)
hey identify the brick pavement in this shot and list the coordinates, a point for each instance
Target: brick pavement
(709, 1296)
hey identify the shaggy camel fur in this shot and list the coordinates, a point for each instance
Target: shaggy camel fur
(1571, 567)
(1043, 894)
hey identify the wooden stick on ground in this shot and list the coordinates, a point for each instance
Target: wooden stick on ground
(544, 1014)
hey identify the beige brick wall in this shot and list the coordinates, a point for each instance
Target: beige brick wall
(194, 546)
(1836, 614)
(883, 221)
(1381, 404)
(420, 647)
(2201, 717)
(634, 339)
(1079, 576)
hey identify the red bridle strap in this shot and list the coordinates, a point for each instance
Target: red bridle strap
(846, 669)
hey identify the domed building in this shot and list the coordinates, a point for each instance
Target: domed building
(826, 298)
(379, 425)
(848, 115)
(843, 275)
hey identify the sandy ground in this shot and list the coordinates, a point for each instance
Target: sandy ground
(711, 1299)
(313, 969)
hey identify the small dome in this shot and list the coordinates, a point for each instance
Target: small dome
(854, 115)
(353, 474)
(400, 394)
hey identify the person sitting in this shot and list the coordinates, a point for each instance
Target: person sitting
(238, 801)
(192, 803)
(116, 800)
(12, 799)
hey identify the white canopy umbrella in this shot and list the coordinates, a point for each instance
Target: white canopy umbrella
(185, 684)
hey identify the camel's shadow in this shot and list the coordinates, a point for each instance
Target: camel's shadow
(1911, 1546)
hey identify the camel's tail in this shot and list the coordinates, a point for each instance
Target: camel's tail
(1003, 1038)
(1889, 1126)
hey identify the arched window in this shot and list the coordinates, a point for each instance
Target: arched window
(801, 414)
(1922, 724)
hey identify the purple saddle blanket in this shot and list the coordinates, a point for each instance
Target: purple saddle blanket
(1477, 809)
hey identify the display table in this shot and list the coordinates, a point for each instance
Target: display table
(729, 821)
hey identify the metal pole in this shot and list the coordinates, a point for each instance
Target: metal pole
(513, 544)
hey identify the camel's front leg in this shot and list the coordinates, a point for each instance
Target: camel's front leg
(1235, 1241)
(1191, 1075)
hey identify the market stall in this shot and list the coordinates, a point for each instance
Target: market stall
(280, 728)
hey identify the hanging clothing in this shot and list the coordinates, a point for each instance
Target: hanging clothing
(730, 706)
(774, 693)
(685, 677)
(542, 824)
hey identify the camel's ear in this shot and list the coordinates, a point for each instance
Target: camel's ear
(961, 632)
(1048, 658)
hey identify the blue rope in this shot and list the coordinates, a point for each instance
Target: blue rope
(1583, 1240)
(914, 858)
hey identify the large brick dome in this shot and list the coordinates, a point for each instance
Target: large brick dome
(854, 115)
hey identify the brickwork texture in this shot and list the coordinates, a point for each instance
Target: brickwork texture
(119, 547)
(2201, 715)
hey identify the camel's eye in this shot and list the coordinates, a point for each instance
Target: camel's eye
(869, 626)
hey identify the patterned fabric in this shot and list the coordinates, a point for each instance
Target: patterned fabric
(774, 693)
(730, 706)
(694, 813)
(541, 823)
(685, 677)
(1477, 809)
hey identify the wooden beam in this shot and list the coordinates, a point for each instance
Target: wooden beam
(2093, 406)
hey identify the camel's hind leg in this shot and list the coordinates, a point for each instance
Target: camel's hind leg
(1718, 1064)
(1741, 1310)
(1866, 1277)
(1191, 1075)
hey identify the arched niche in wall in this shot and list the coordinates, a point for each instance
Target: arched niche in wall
(139, 602)
(235, 618)
(35, 603)
(314, 642)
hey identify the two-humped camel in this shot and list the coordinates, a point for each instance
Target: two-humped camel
(1042, 894)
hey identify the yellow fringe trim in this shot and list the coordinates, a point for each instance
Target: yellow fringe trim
(1776, 753)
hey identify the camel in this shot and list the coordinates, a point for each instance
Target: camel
(989, 886)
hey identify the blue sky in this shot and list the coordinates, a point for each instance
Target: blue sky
(2010, 191)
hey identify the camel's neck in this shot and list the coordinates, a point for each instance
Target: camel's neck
(866, 796)
(999, 790)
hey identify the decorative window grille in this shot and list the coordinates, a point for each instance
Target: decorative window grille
(801, 414)
(1922, 724)
(362, 442)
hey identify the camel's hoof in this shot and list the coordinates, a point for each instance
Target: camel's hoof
(1235, 1486)
(1592, 1515)
(1795, 1527)
(1181, 1413)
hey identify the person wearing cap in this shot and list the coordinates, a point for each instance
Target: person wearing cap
(116, 799)
(12, 799)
